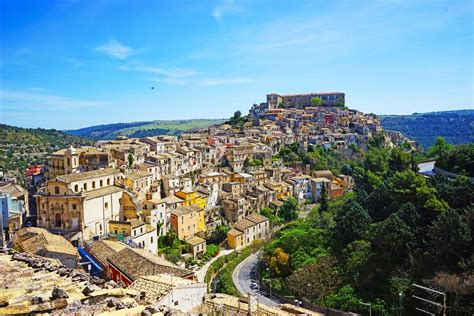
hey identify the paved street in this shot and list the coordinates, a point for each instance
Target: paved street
(242, 277)
(201, 273)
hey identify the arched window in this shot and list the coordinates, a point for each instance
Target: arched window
(76, 188)
(85, 186)
(101, 182)
(58, 220)
(56, 190)
(108, 181)
(93, 184)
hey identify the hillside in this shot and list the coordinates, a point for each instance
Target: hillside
(142, 129)
(457, 127)
(22, 146)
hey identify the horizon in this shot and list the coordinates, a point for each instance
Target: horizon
(95, 63)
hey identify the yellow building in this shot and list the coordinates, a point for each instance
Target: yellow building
(282, 189)
(235, 238)
(192, 198)
(187, 221)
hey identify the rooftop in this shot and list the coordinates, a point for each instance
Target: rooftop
(181, 210)
(68, 178)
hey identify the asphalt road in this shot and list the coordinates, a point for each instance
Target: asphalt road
(242, 277)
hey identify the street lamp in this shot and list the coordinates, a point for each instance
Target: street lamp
(367, 304)
(400, 295)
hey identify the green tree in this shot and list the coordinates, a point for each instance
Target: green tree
(130, 160)
(316, 102)
(350, 222)
(323, 200)
(439, 149)
(315, 281)
(289, 210)
(399, 160)
(450, 241)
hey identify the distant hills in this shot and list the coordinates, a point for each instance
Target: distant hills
(456, 126)
(142, 129)
(22, 146)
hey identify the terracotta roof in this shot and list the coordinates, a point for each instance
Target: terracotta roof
(42, 239)
(157, 286)
(104, 249)
(243, 224)
(256, 218)
(234, 232)
(87, 175)
(195, 240)
(181, 210)
(102, 192)
(138, 262)
(137, 175)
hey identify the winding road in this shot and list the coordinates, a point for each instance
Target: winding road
(242, 277)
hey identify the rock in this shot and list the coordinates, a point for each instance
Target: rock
(111, 283)
(51, 268)
(88, 289)
(37, 300)
(37, 264)
(60, 303)
(146, 312)
(76, 304)
(112, 302)
(119, 305)
(58, 293)
(121, 284)
(3, 303)
(62, 272)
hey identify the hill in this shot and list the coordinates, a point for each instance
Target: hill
(142, 129)
(22, 146)
(457, 127)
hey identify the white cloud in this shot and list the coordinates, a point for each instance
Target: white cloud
(116, 50)
(171, 72)
(225, 81)
(14, 100)
(223, 8)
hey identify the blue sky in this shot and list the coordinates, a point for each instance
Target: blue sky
(71, 64)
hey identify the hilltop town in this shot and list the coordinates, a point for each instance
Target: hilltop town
(145, 217)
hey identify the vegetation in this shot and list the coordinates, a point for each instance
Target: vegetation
(143, 129)
(457, 159)
(455, 126)
(272, 217)
(237, 119)
(218, 235)
(171, 246)
(224, 281)
(317, 157)
(20, 147)
(396, 229)
(316, 102)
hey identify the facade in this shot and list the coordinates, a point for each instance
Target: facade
(187, 221)
(245, 231)
(196, 246)
(300, 101)
(80, 202)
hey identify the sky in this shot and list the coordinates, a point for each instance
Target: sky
(71, 64)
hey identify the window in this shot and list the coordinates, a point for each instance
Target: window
(56, 190)
(116, 232)
(101, 183)
(151, 240)
(100, 227)
(93, 184)
(176, 303)
(74, 206)
(76, 188)
(108, 181)
(141, 230)
(85, 186)
(106, 205)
